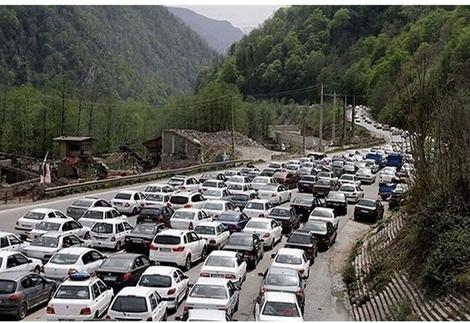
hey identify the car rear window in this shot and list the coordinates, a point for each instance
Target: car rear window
(131, 304)
(239, 240)
(73, 292)
(208, 291)
(257, 225)
(280, 213)
(323, 182)
(97, 215)
(368, 203)
(240, 197)
(346, 188)
(184, 215)
(7, 286)
(288, 259)
(315, 226)
(228, 217)
(116, 263)
(155, 280)
(150, 211)
(102, 228)
(164, 239)
(179, 199)
(213, 193)
(210, 184)
(82, 203)
(299, 238)
(335, 196)
(308, 179)
(64, 259)
(34, 215)
(123, 196)
(282, 279)
(48, 226)
(261, 180)
(176, 181)
(48, 242)
(280, 309)
(303, 200)
(144, 229)
(155, 198)
(204, 229)
(255, 206)
(153, 189)
(220, 261)
(213, 206)
(321, 213)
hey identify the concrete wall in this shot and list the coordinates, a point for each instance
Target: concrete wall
(177, 147)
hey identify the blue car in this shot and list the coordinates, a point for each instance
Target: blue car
(235, 221)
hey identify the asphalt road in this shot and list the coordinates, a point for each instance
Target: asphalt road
(325, 291)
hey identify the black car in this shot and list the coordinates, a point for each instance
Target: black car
(286, 216)
(155, 214)
(21, 291)
(123, 269)
(306, 183)
(322, 187)
(369, 209)
(337, 200)
(324, 232)
(246, 171)
(140, 238)
(304, 205)
(269, 172)
(303, 240)
(249, 245)
(241, 199)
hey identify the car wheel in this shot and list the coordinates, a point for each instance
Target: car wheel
(165, 317)
(37, 270)
(22, 311)
(290, 197)
(118, 246)
(187, 264)
(204, 253)
(279, 202)
(272, 244)
(87, 236)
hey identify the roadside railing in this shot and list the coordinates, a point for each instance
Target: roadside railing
(138, 178)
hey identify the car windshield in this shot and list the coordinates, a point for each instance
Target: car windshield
(220, 261)
(288, 259)
(235, 187)
(240, 197)
(176, 181)
(7, 286)
(280, 309)
(155, 280)
(308, 179)
(255, 206)
(153, 211)
(154, 198)
(321, 213)
(282, 279)
(315, 226)
(73, 292)
(323, 182)
(90, 214)
(48, 226)
(213, 193)
(48, 242)
(205, 229)
(179, 199)
(260, 180)
(102, 228)
(324, 174)
(299, 238)
(208, 291)
(368, 203)
(274, 166)
(238, 240)
(210, 184)
(117, 263)
(123, 196)
(131, 304)
(335, 196)
(213, 206)
(83, 203)
(346, 188)
(347, 177)
(303, 200)
(153, 189)
(228, 217)
(64, 259)
(184, 215)
(257, 225)
(34, 215)
(237, 179)
(144, 229)
(268, 188)
(283, 213)
(164, 239)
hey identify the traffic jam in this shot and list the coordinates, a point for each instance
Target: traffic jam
(186, 249)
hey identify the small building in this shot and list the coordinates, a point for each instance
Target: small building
(154, 147)
(179, 145)
(70, 146)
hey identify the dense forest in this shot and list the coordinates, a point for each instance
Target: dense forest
(139, 52)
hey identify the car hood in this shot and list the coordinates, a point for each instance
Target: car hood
(139, 235)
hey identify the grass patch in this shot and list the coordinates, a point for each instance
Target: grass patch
(349, 271)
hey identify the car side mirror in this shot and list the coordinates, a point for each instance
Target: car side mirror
(273, 255)
(261, 274)
(178, 318)
(30, 261)
(190, 284)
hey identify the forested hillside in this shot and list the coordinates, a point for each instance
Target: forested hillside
(219, 34)
(140, 52)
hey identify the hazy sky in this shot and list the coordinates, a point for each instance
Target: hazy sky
(244, 17)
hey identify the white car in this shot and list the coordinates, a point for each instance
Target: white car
(156, 199)
(137, 304)
(370, 163)
(365, 175)
(277, 306)
(387, 175)
(28, 221)
(324, 214)
(128, 202)
(292, 258)
(213, 293)
(11, 242)
(236, 188)
(259, 181)
(215, 233)
(188, 218)
(274, 193)
(17, 261)
(109, 234)
(79, 298)
(268, 230)
(213, 183)
(225, 264)
(170, 283)
(277, 165)
(349, 179)
(185, 183)
(216, 193)
(186, 200)
(70, 260)
(215, 208)
(204, 315)
(238, 179)
(257, 207)
(98, 214)
(353, 192)
(59, 225)
(180, 247)
(327, 176)
(158, 188)
(45, 246)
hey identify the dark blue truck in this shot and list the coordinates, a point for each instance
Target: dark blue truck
(395, 160)
(377, 157)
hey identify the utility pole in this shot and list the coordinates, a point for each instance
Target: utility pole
(233, 129)
(333, 128)
(344, 115)
(304, 129)
(321, 118)
(353, 115)
(62, 124)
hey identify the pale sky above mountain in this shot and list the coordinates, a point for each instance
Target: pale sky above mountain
(244, 17)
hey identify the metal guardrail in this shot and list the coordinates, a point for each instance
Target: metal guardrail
(138, 178)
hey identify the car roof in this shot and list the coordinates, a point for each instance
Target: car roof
(260, 220)
(188, 209)
(259, 201)
(283, 270)
(287, 208)
(187, 194)
(172, 232)
(214, 180)
(80, 282)
(163, 270)
(101, 208)
(217, 201)
(233, 212)
(208, 224)
(75, 250)
(136, 291)
(319, 208)
(56, 234)
(13, 275)
(57, 220)
(42, 210)
(112, 221)
(280, 297)
(290, 251)
(212, 281)
(127, 192)
(225, 253)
